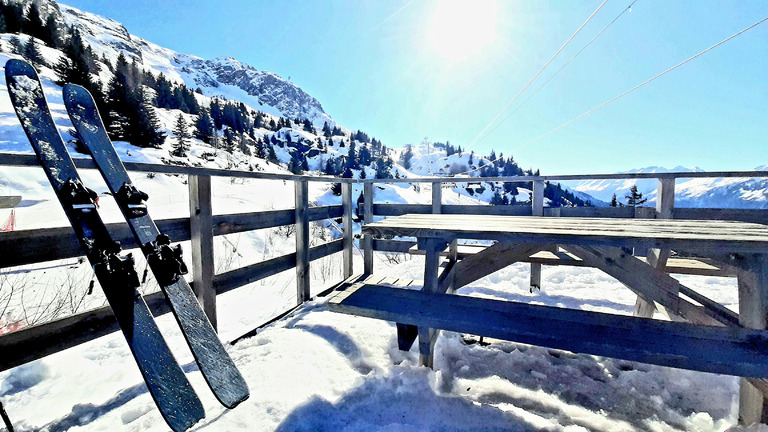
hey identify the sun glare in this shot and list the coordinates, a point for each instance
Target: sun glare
(460, 29)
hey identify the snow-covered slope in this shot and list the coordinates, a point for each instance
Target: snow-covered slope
(226, 77)
(699, 192)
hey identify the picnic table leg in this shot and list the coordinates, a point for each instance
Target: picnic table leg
(753, 313)
(427, 336)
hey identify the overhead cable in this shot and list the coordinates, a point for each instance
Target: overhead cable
(628, 8)
(629, 91)
(538, 73)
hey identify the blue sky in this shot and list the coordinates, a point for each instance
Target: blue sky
(404, 70)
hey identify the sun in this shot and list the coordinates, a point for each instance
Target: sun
(459, 29)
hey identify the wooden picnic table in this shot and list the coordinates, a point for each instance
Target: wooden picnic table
(698, 323)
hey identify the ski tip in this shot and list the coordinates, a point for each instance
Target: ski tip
(16, 67)
(74, 91)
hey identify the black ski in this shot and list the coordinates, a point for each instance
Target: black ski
(166, 263)
(169, 387)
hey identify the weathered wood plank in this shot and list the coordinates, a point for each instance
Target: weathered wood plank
(236, 278)
(537, 209)
(743, 215)
(302, 241)
(401, 209)
(740, 351)
(428, 336)
(11, 159)
(657, 258)
(201, 231)
(652, 284)
(367, 220)
(9, 201)
(703, 236)
(437, 197)
(47, 244)
(36, 342)
(490, 260)
(753, 313)
(346, 222)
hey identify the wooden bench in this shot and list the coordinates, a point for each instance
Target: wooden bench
(665, 343)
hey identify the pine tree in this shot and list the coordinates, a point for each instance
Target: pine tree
(405, 158)
(33, 23)
(614, 203)
(52, 33)
(260, 150)
(352, 162)
(32, 53)
(271, 156)
(382, 168)
(326, 130)
(181, 133)
(14, 15)
(294, 164)
(364, 156)
(229, 140)
(635, 198)
(496, 199)
(204, 127)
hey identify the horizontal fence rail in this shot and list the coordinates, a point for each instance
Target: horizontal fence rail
(39, 245)
(29, 160)
(23, 247)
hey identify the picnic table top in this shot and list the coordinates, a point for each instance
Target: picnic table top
(713, 235)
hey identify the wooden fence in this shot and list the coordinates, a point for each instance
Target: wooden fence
(39, 245)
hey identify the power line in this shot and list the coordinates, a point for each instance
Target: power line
(629, 91)
(537, 73)
(628, 8)
(642, 84)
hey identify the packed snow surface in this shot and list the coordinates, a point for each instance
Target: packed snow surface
(315, 370)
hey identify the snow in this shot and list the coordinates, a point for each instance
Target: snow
(318, 370)
(734, 192)
(314, 369)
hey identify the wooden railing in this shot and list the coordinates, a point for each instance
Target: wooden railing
(39, 245)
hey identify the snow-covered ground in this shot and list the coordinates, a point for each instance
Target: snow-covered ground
(316, 370)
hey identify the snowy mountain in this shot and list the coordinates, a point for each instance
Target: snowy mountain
(698, 192)
(225, 77)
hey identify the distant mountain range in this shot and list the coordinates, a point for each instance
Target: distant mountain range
(747, 193)
(278, 97)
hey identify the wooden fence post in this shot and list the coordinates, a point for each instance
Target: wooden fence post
(201, 232)
(753, 313)
(437, 197)
(657, 258)
(346, 222)
(537, 209)
(302, 241)
(367, 218)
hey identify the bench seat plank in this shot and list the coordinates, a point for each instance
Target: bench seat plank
(740, 351)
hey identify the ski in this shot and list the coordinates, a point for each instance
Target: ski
(173, 394)
(166, 262)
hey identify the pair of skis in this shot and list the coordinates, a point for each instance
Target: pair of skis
(169, 387)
